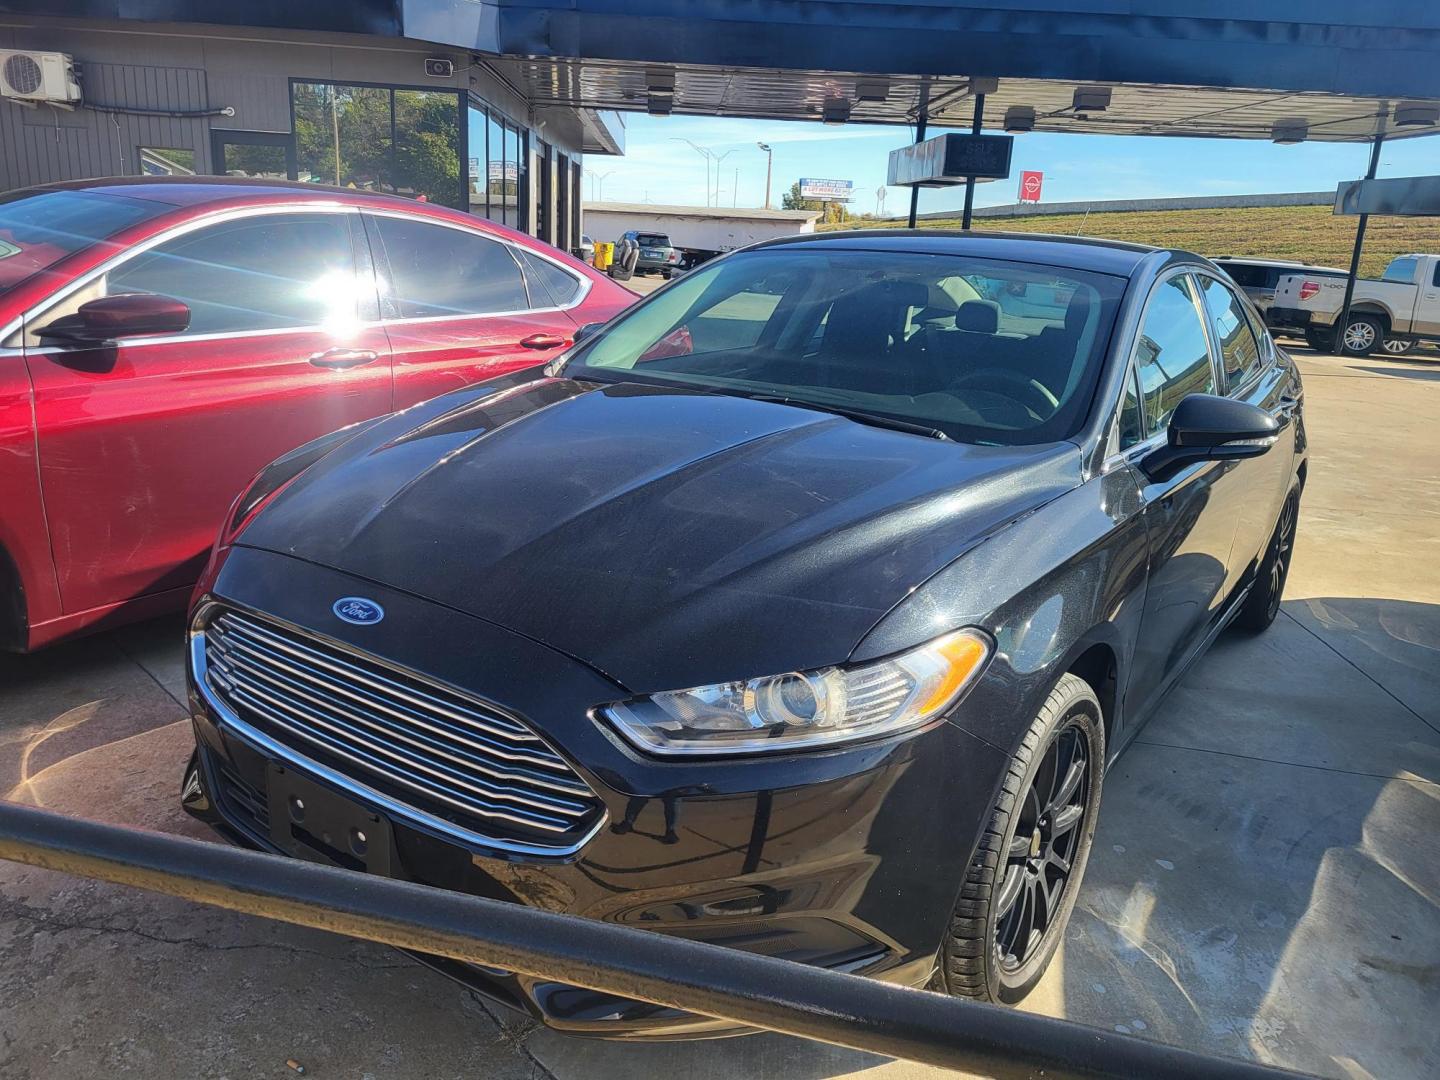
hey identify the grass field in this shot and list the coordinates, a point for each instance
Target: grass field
(1305, 233)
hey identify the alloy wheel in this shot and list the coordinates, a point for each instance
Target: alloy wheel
(1280, 564)
(1041, 854)
(1397, 346)
(1359, 336)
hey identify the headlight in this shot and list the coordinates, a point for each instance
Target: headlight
(807, 708)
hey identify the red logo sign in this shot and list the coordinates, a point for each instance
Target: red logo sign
(1030, 185)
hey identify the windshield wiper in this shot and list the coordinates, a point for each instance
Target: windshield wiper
(858, 415)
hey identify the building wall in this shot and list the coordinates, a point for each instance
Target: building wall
(185, 67)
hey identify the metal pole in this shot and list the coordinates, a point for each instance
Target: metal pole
(769, 161)
(915, 191)
(1338, 347)
(976, 125)
(921, 118)
(747, 988)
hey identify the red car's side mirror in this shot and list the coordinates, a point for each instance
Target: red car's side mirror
(125, 315)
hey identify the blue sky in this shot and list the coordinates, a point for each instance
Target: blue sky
(659, 168)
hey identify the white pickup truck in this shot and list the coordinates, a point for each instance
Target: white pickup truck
(1393, 313)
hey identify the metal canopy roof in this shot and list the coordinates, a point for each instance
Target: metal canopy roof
(1215, 112)
(1221, 68)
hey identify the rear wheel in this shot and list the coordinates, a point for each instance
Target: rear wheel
(1320, 340)
(1021, 885)
(1398, 346)
(1363, 335)
(1263, 603)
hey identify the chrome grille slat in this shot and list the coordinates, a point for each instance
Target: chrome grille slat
(396, 776)
(492, 725)
(370, 715)
(277, 698)
(445, 756)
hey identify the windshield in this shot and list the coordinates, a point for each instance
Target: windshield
(38, 229)
(652, 239)
(983, 351)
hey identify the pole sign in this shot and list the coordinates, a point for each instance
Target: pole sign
(951, 159)
(1030, 185)
(826, 190)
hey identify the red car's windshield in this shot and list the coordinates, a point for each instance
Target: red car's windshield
(39, 228)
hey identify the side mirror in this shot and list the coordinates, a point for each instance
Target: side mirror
(588, 330)
(1205, 427)
(123, 315)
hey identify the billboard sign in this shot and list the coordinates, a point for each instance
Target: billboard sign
(1030, 185)
(826, 190)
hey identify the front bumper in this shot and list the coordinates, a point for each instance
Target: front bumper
(850, 859)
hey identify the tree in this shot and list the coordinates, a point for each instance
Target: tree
(833, 211)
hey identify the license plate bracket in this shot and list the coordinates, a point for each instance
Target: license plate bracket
(310, 821)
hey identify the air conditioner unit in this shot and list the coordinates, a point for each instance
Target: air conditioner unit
(32, 77)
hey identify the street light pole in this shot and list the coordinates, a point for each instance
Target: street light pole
(718, 160)
(769, 161)
(708, 156)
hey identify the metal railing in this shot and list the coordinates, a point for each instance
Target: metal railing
(760, 991)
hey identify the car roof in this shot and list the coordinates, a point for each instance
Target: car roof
(183, 191)
(1073, 252)
(1282, 263)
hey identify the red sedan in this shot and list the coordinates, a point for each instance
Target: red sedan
(161, 340)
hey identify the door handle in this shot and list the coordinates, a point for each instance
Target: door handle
(542, 341)
(344, 358)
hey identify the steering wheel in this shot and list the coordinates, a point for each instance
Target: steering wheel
(1025, 391)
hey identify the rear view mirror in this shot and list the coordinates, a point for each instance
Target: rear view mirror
(124, 315)
(1205, 427)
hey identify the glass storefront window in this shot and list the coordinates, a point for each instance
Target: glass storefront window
(379, 139)
(427, 146)
(497, 167)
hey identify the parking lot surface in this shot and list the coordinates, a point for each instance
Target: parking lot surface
(1265, 881)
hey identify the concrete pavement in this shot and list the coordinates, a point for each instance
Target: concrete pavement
(1265, 880)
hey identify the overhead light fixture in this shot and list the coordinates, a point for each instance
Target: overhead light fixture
(1289, 132)
(1019, 118)
(836, 111)
(660, 104)
(983, 84)
(1091, 99)
(1416, 114)
(872, 89)
(660, 80)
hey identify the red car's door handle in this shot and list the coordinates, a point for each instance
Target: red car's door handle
(542, 341)
(343, 358)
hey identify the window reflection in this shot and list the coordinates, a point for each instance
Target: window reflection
(406, 142)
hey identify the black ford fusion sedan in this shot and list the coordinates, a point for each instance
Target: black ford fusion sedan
(799, 609)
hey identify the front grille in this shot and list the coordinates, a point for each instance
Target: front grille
(420, 745)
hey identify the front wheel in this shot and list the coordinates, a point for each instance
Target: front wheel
(1263, 603)
(1021, 885)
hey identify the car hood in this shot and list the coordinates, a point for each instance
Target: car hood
(667, 537)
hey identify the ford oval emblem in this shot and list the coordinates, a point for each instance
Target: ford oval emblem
(358, 610)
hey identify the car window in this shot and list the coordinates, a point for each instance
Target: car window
(549, 285)
(1402, 270)
(252, 273)
(39, 228)
(1246, 274)
(1132, 420)
(436, 270)
(652, 239)
(983, 350)
(1173, 354)
(1239, 351)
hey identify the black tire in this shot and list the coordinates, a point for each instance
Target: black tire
(1362, 336)
(1320, 340)
(972, 962)
(1263, 603)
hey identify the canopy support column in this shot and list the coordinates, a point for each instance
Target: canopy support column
(975, 127)
(1338, 348)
